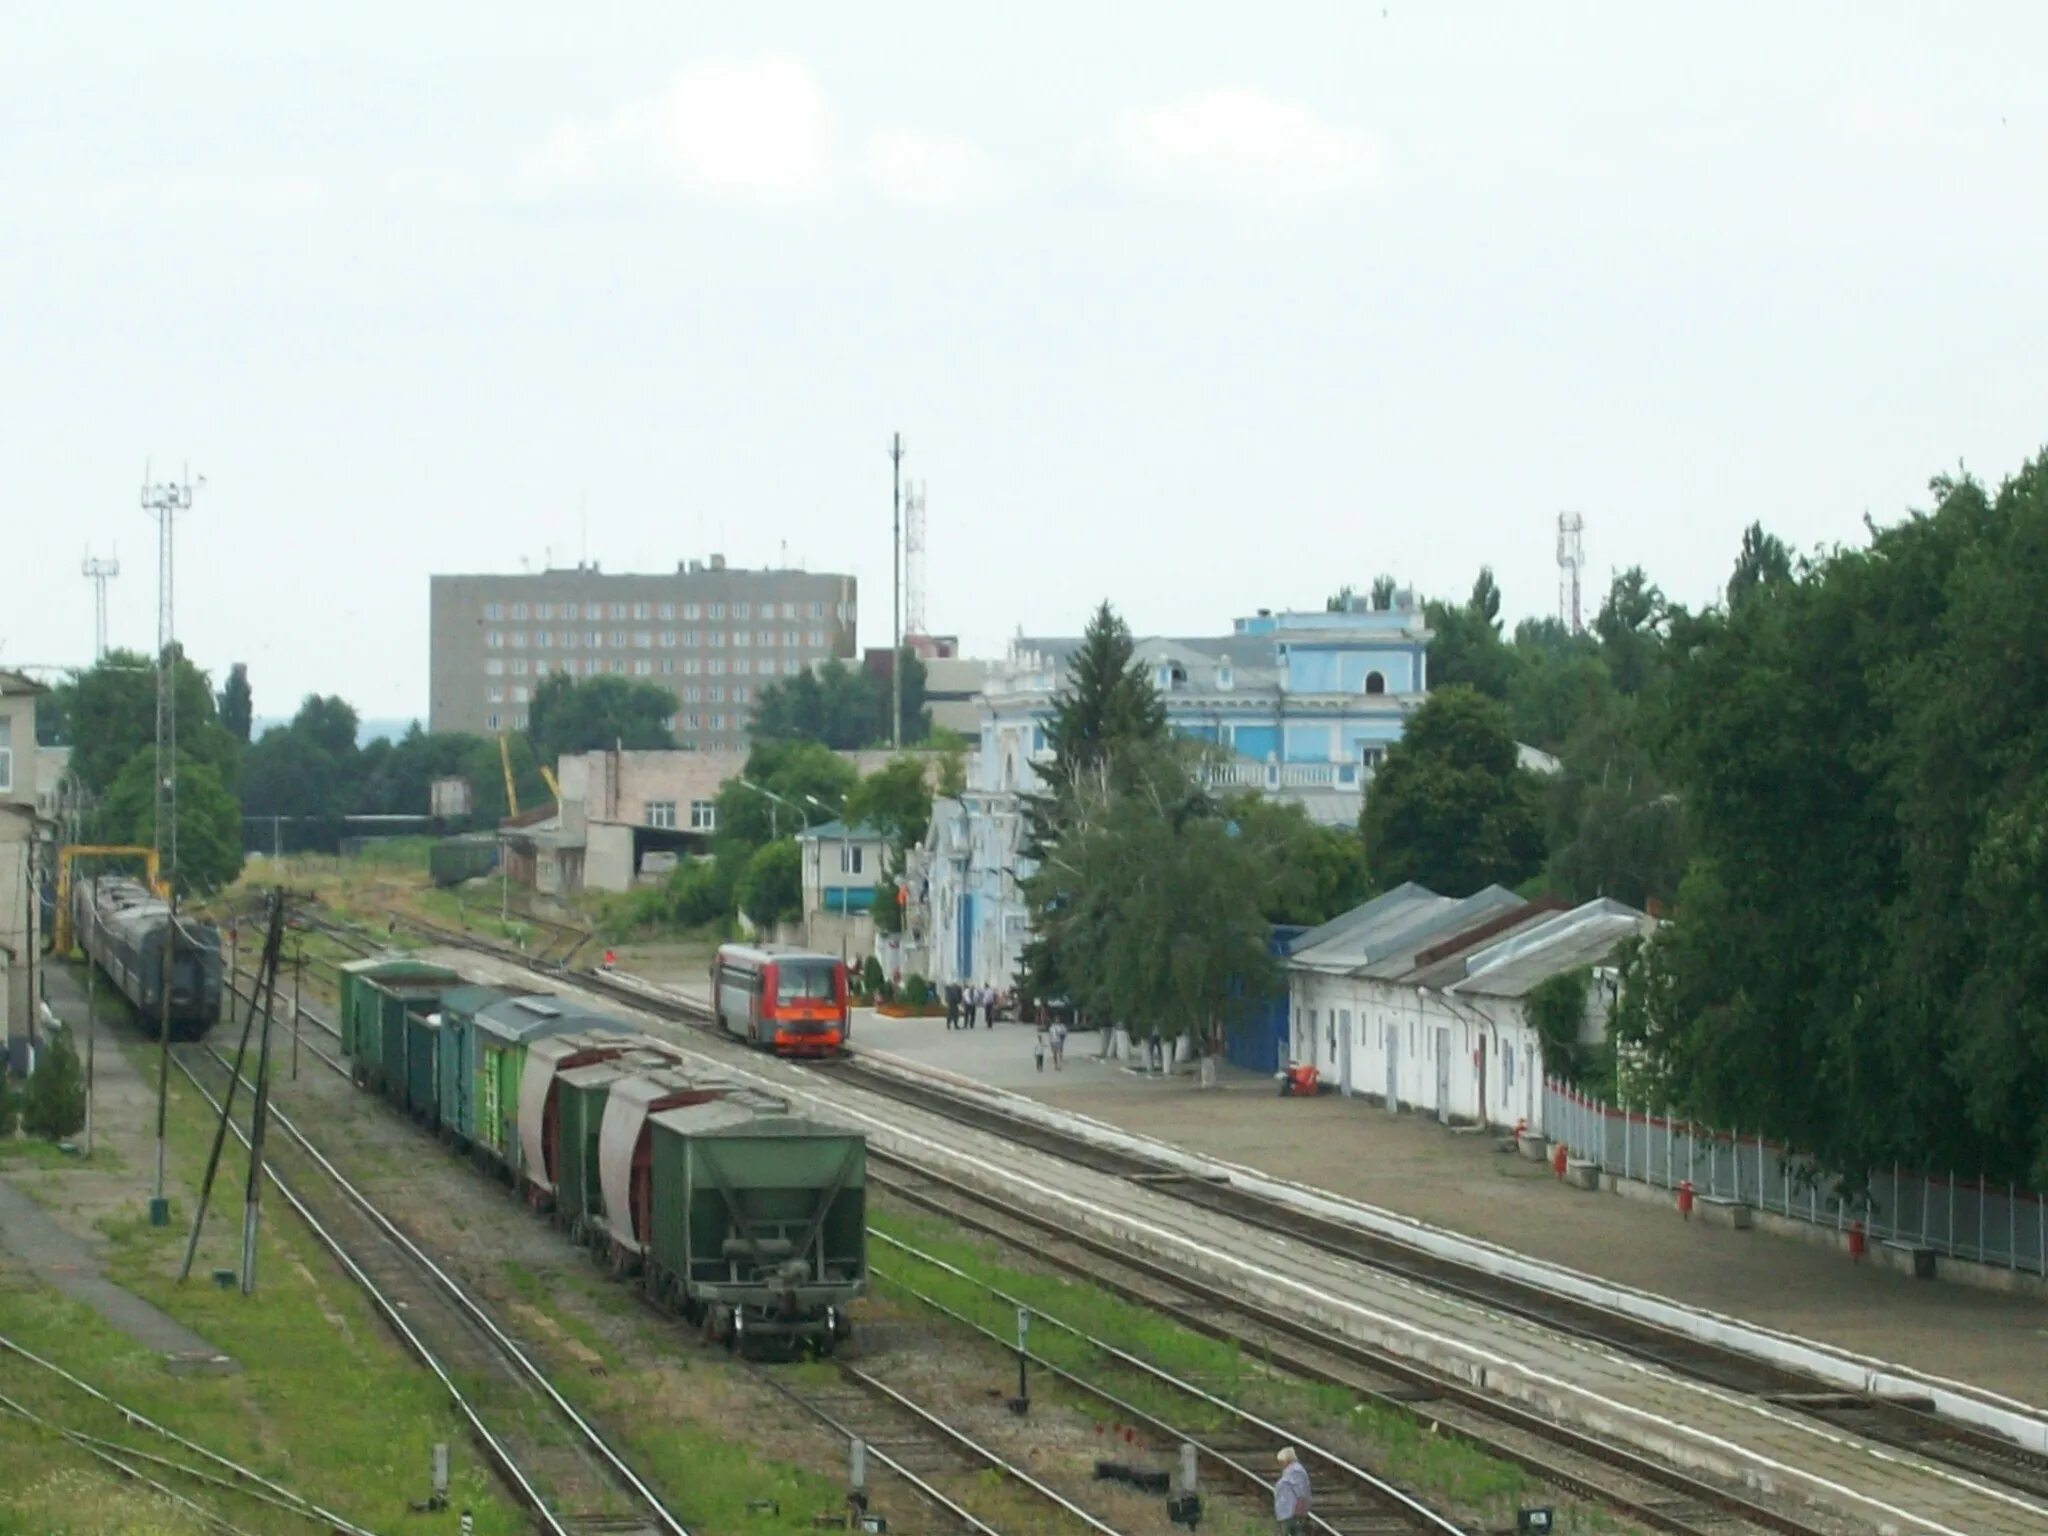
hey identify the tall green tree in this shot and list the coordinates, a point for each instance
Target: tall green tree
(1615, 828)
(845, 708)
(209, 820)
(807, 783)
(1451, 807)
(569, 716)
(1465, 648)
(772, 888)
(1558, 681)
(1315, 872)
(1764, 561)
(896, 798)
(53, 1106)
(1632, 624)
(330, 723)
(237, 704)
(111, 715)
(1382, 593)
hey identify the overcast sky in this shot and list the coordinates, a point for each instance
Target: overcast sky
(1201, 308)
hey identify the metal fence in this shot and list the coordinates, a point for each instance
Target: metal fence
(1997, 1224)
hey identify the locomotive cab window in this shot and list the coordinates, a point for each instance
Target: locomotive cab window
(799, 981)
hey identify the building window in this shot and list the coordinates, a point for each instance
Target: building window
(691, 638)
(659, 813)
(849, 858)
(642, 611)
(818, 638)
(494, 694)
(493, 667)
(668, 639)
(742, 665)
(490, 722)
(717, 694)
(493, 612)
(717, 611)
(643, 639)
(618, 665)
(692, 666)
(718, 639)
(741, 611)
(692, 693)
(594, 638)
(740, 638)
(570, 639)
(791, 666)
(789, 610)
(643, 668)
(618, 610)
(1375, 682)
(1372, 757)
(544, 638)
(703, 815)
(718, 722)
(789, 637)
(519, 613)
(692, 611)
(816, 610)
(494, 640)
(693, 722)
(741, 693)
(518, 639)
(668, 665)
(593, 610)
(767, 637)
(543, 610)
(668, 610)
(718, 666)
(540, 668)
(519, 694)
(519, 667)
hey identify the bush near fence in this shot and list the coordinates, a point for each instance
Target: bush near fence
(2000, 1225)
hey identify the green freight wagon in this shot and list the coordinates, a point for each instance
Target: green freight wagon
(456, 859)
(498, 1045)
(455, 1072)
(757, 1222)
(423, 1066)
(365, 984)
(624, 1158)
(399, 998)
(540, 1106)
(580, 1097)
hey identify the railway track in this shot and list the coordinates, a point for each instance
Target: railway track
(553, 1458)
(1986, 1459)
(1573, 1464)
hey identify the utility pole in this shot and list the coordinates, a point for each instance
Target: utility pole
(896, 595)
(165, 501)
(99, 573)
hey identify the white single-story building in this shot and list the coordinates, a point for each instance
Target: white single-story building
(842, 882)
(1419, 1001)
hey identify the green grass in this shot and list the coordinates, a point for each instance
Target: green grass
(27, 1152)
(1399, 1447)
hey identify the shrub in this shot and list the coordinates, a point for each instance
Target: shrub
(916, 990)
(10, 1104)
(871, 976)
(54, 1106)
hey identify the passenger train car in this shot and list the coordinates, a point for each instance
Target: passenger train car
(792, 1001)
(125, 929)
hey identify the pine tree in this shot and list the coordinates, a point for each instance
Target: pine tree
(54, 1106)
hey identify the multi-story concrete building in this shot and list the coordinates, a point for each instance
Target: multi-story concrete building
(21, 833)
(712, 634)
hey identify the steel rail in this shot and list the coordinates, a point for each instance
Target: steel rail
(84, 1443)
(131, 1416)
(389, 1310)
(504, 1342)
(958, 1511)
(1403, 1501)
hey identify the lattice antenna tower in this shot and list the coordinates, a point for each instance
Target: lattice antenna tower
(99, 573)
(1571, 559)
(913, 560)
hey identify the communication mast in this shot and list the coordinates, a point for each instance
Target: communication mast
(1571, 557)
(99, 573)
(913, 560)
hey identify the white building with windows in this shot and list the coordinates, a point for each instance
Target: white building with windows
(1419, 1001)
(842, 873)
(1301, 705)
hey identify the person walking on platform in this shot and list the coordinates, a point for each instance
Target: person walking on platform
(1038, 1048)
(988, 1005)
(1290, 1495)
(1059, 1045)
(952, 1005)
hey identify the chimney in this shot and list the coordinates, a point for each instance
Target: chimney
(718, 562)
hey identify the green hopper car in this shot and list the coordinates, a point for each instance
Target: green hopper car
(757, 1222)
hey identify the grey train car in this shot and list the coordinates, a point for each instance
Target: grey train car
(124, 929)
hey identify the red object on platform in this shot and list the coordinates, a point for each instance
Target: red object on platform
(1557, 1159)
(1685, 1199)
(1855, 1242)
(1302, 1079)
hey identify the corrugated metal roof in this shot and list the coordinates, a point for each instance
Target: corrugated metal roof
(1383, 936)
(1563, 942)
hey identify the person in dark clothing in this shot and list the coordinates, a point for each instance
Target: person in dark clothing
(953, 1005)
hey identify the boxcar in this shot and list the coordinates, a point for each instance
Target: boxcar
(372, 1001)
(540, 1108)
(456, 859)
(757, 1221)
(455, 1072)
(580, 1097)
(791, 1000)
(622, 1149)
(423, 1066)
